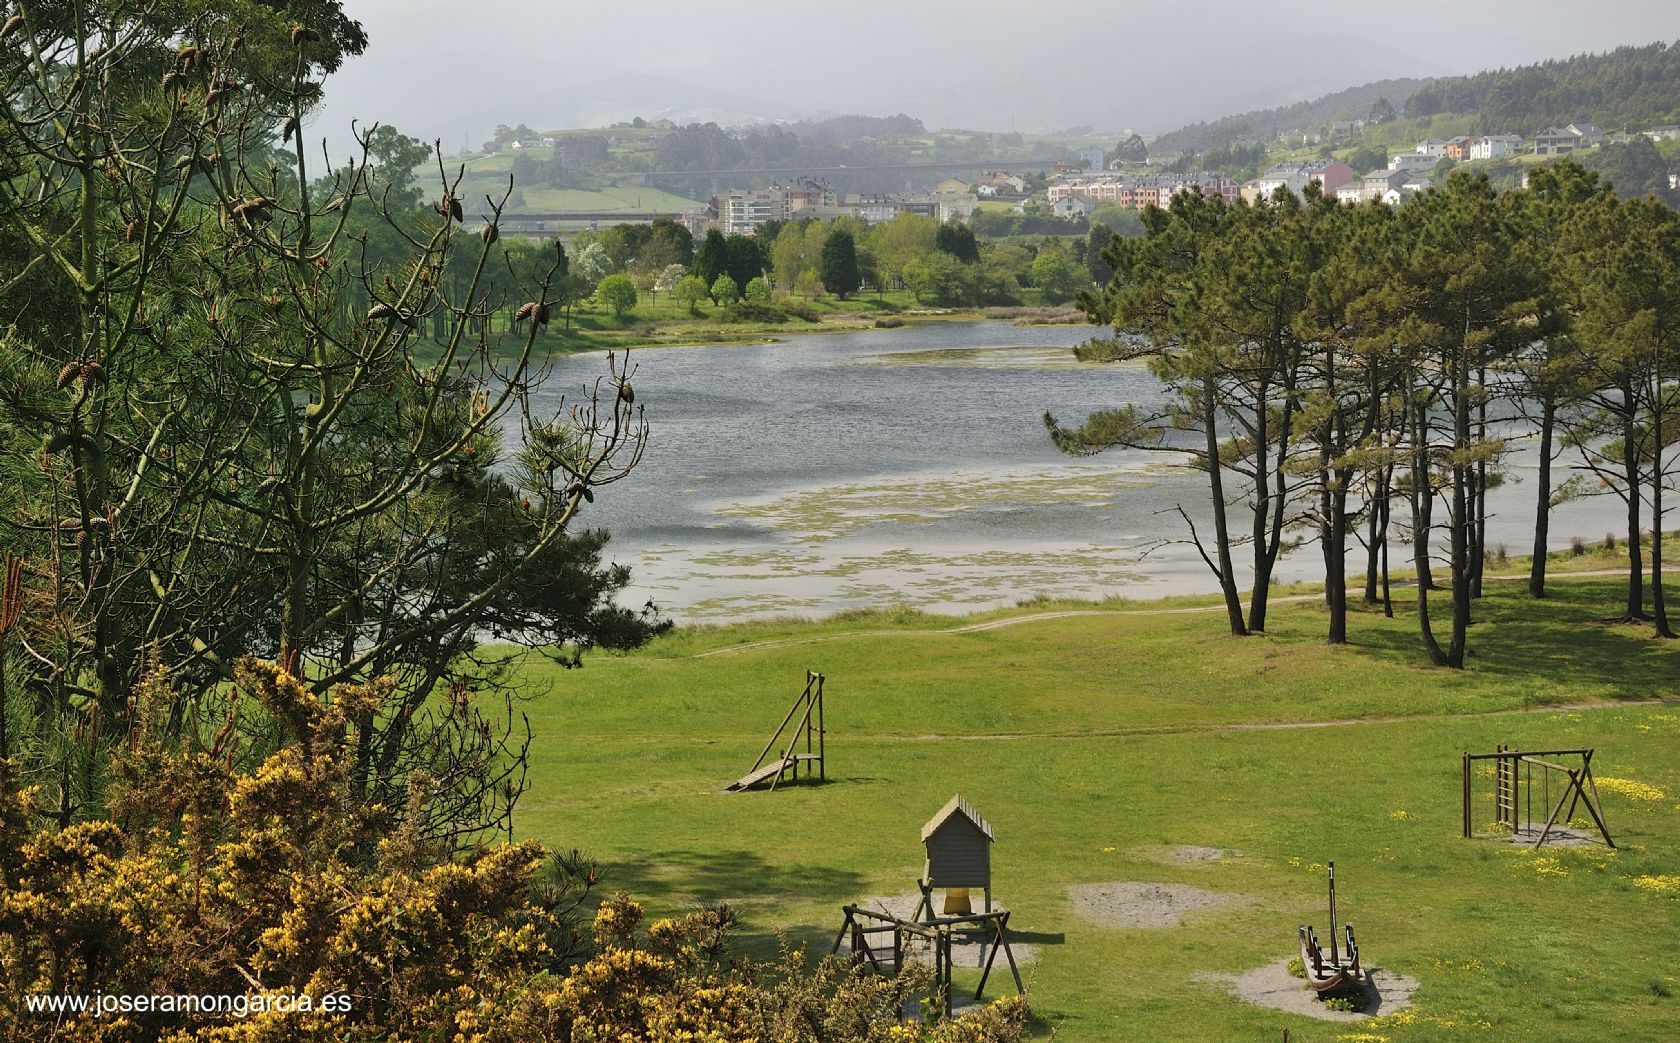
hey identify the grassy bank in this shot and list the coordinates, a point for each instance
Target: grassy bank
(663, 322)
(1097, 742)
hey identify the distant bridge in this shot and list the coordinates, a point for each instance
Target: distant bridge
(882, 168)
(616, 216)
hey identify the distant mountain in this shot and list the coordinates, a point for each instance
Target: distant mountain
(1627, 87)
(1264, 125)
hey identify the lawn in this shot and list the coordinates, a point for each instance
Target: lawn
(1094, 742)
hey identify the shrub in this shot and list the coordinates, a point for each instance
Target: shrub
(751, 311)
(798, 309)
(617, 293)
(1351, 1003)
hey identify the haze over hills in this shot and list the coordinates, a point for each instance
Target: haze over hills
(973, 64)
(1263, 125)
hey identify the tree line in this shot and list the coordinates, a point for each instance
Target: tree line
(1626, 87)
(1343, 373)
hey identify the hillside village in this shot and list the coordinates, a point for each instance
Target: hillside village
(1090, 179)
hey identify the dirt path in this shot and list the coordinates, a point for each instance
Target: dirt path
(1212, 727)
(1043, 617)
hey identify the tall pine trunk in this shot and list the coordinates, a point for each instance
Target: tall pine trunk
(1461, 521)
(1659, 606)
(1221, 531)
(1382, 538)
(1630, 472)
(1421, 495)
(1543, 501)
(1371, 549)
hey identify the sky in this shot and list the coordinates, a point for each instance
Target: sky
(453, 70)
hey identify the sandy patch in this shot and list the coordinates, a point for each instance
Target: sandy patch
(968, 949)
(1128, 904)
(1560, 836)
(1273, 986)
(1190, 854)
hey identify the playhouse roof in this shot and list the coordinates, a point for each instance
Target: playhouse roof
(957, 806)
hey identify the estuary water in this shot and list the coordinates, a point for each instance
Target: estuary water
(834, 471)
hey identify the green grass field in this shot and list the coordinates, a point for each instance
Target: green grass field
(1093, 742)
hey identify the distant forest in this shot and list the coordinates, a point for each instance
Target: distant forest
(840, 141)
(1264, 125)
(1627, 87)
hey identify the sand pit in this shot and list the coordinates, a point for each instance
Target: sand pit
(1192, 853)
(1128, 904)
(967, 950)
(1273, 986)
(1560, 836)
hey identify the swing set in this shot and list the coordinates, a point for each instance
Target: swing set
(1515, 787)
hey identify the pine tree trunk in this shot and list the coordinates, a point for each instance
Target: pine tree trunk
(1636, 563)
(1257, 598)
(1478, 558)
(1461, 524)
(1387, 483)
(1659, 606)
(1371, 551)
(1221, 531)
(1420, 497)
(1543, 502)
(1336, 567)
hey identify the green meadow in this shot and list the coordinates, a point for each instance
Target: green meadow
(1097, 738)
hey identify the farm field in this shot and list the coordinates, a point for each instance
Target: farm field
(1099, 739)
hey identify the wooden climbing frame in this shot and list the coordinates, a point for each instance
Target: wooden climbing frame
(808, 707)
(937, 932)
(1514, 790)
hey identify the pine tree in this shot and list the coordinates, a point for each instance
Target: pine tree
(839, 264)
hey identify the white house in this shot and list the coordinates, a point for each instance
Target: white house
(1589, 134)
(955, 206)
(1494, 146)
(1352, 192)
(1092, 156)
(1398, 194)
(1411, 161)
(1071, 207)
(1434, 148)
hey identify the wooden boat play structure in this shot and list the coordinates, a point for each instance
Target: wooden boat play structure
(1339, 974)
(772, 771)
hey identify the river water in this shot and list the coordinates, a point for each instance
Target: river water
(911, 466)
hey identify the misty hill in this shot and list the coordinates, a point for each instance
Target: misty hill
(1627, 87)
(1264, 125)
